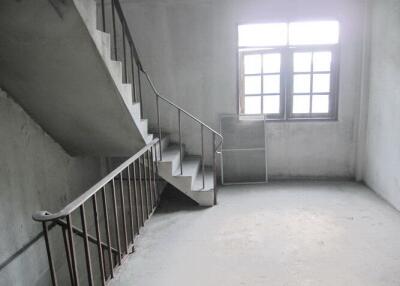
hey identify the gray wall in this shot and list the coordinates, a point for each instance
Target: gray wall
(35, 174)
(189, 47)
(382, 164)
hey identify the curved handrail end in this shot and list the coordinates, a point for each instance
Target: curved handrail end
(44, 216)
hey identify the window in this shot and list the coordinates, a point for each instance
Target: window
(289, 70)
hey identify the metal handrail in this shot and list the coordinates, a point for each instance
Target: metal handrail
(178, 107)
(43, 216)
(139, 187)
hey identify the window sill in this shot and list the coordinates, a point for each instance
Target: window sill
(246, 117)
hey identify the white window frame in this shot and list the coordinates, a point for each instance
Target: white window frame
(286, 82)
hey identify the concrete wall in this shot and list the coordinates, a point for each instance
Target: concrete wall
(35, 174)
(382, 162)
(189, 48)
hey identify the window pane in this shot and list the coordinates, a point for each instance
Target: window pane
(271, 63)
(321, 82)
(314, 33)
(322, 61)
(256, 35)
(271, 84)
(320, 103)
(301, 103)
(252, 64)
(252, 104)
(271, 104)
(301, 83)
(302, 62)
(252, 85)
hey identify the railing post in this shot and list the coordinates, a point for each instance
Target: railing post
(121, 190)
(143, 204)
(103, 15)
(124, 51)
(152, 160)
(140, 92)
(116, 221)
(114, 29)
(72, 249)
(49, 257)
(202, 155)
(98, 236)
(145, 186)
(138, 199)
(180, 141)
(158, 125)
(86, 246)
(150, 180)
(68, 254)
(133, 76)
(156, 179)
(214, 169)
(106, 220)
(130, 203)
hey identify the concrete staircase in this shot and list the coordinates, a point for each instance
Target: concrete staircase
(87, 105)
(190, 182)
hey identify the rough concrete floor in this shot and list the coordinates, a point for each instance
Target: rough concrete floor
(286, 233)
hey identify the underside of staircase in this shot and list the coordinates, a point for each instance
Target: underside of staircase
(58, 67)
(67, 75)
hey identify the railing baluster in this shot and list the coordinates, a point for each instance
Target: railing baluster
(106, 221)
(156, 179)
(121, 189)
(180, 141)
(144, 210)
(130, 203)
(158, 125)
(72, 248)
(140, 92)
(103, 16)
(86, 246)
(139, 218)
(68, 254)
(114, 29)
(152, 154)
(116, 221)
(124, 51)
(145, 186)
(98, 236)
(150, 184)
(49, 257)
(133, 76)
(214, 169)
(202, 155)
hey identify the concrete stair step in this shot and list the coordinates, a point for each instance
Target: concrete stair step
(190, 167)
(208, 180)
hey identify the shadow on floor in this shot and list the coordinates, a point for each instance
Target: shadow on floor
(173, 200)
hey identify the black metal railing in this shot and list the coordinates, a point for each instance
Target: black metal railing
(137, 71)
(119, 204)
